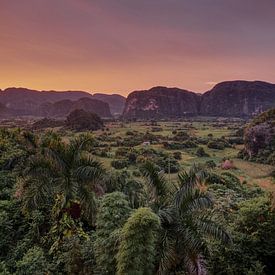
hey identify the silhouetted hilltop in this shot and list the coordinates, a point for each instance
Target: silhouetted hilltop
(22, 101)
(231, 98)
(238, 98)
(161, 102)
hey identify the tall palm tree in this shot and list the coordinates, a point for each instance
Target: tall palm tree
(186, 220)
(66, 170)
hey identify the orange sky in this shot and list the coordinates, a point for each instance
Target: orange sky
(121, 45)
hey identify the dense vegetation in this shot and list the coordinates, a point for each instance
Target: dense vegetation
(64, 210)
(81, 120)
(259, 138)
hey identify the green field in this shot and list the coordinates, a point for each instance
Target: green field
(252, 173)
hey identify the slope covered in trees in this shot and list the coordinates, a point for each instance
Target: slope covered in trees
(259, 138)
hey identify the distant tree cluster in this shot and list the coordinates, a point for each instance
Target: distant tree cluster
(80, 120)
(259, 139)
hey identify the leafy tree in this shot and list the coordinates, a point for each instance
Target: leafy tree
(112, 214)
(123, 182)
(137, 250)
(81, 120)
(67, 170)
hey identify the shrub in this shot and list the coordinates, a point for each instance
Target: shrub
(177, 155)
(201, 153)
(216, 145)
(119, 163)
(210, 164)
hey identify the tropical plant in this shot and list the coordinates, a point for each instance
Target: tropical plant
(186, 220)
(67, 171)
(112, 214)
(137, 249)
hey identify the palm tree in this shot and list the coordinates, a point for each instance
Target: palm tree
(64, 170)
(186, 220)
(159, 190)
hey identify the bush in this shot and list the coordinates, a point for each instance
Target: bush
(177, 155)
(179, 146)
(218, 145)
(120, 163)
(201, 153)
(167, 164)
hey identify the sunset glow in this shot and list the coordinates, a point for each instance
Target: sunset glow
(120, 45)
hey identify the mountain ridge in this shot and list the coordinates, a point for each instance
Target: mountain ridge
(24, 101)
(237, 98)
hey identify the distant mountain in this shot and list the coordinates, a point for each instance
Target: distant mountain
(238, 98)
(115, 101)
(161, 102)
(228, 99)
(4, 111)
(62, 108)
(22, 101)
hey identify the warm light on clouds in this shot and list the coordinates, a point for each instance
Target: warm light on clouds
(121, 45)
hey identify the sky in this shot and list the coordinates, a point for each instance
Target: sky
(117, 46)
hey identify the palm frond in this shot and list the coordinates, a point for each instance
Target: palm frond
(78, 145)
(188, 200)
(208, 226)
(195, 264)
(39, 167)
(196, 175)
(37, 193)
(168, 255)
(158, 186)
(55, 158)
(88, 203)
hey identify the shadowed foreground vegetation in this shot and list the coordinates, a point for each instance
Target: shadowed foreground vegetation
(168, 207)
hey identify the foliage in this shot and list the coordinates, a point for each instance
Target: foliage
(137, 249)
(201, 152)
(112, 213)
(33, 262)
(61, 212)
(259, 139)
(80, 120)
(65, 169)
(120, 163)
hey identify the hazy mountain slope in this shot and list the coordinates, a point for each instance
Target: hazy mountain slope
(161, 102)
(232, 98)
(238, 98)
(115, 101)
(21, 101)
